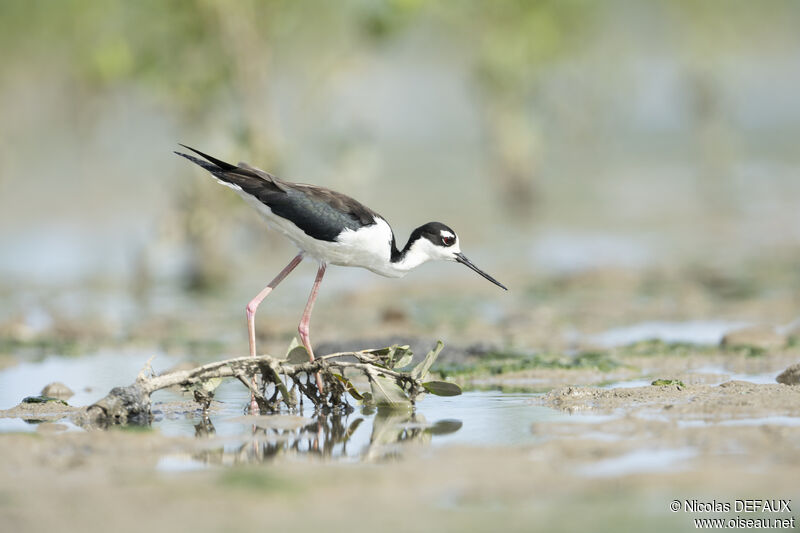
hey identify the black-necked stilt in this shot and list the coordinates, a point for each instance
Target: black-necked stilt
(331, 228)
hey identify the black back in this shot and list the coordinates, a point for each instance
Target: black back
(321, 213)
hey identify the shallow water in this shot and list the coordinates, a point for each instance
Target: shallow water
(90, 376)
(692, 331)
(489, 419)
(474, 418)
(639, 461)
(762, 378)
(786, 421)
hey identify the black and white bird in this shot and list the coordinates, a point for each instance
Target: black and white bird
(332, 228)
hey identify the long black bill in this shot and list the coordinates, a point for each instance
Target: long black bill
(461, 258)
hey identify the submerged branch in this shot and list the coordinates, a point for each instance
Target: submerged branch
(389, 385)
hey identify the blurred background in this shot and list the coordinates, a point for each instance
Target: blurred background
(592, 156)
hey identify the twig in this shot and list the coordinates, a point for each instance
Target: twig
(132, 402)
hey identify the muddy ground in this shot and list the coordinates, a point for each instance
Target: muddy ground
(715, 426)
(644, 447)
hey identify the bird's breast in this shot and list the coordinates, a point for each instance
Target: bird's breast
(368, 247)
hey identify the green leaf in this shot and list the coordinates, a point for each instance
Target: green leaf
(349, 387)
(442, 388)
(668, 382)
(43, 399)
(387, 393)
(297, 355)
(292, 345)
(422, 369)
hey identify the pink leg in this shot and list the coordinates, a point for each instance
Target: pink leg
(303, 327)
(251, 314)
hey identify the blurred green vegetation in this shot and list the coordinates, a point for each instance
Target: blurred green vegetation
(530, 75)
(498, 363)
(190, 53)
(199, 60)
(187, 53)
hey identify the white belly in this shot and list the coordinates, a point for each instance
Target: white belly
(368, 247)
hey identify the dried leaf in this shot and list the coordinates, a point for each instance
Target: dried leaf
(349, 387)
(204, 387)
(287, 397)
(422, 369)
(387, 393)
(387, 358)
(404, 359)
(210, 385)
(391, 355)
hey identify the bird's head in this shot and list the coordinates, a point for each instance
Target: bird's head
(435, 241)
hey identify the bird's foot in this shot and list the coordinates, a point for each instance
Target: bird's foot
(254, 409)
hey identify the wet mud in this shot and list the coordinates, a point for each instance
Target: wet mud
(588, 438)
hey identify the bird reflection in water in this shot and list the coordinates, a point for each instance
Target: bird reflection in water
(324, 436)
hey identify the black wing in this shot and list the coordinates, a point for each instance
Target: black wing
(321, 213)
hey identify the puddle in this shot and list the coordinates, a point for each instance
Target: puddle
(18, 425)
(766, 378)
(693, 332)
(786, 421)
(179, 463)
(89, 376)
(638, 461)
(629, 384)
(488, 418)
(227, 437)
(592, 418)
(764, 421)
(474, 418)
(761, 379)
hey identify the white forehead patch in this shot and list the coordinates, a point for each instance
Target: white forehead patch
(446, 233)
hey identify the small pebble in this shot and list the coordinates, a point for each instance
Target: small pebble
(790, 376)
(57, 390)
(763, 337)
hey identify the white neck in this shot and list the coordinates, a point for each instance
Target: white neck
(413, 257)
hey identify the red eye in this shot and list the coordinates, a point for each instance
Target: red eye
(448, 240)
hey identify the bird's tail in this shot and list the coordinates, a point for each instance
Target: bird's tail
(213, 165)
(242, 177)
